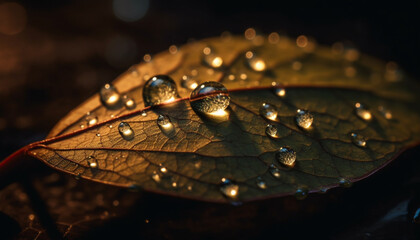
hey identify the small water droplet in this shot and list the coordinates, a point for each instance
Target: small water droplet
(159, 89)
(286, 156)
(174, 184)
(115, 203)
(129, 103)
(362, 112)
(210, 98)
(416, 216)
(147, 57)
(82, 126)
(254, 62)
(250, 33)
(110, 97)
(156, 177)
(143, 113)
(163, 121)
(173, 49)
(302, 41)
(275, 171)
(110, 126)
(271, 131)
(243, 76)
(31, 217)
(304, 119)
(296, 65)
(345, 183)
(268, 111)
(126, 131)
(90, 119)
(147, 221)
(188, 82)
(358, 140)
(98, 134)
(163, 169)
(228, 188)
(281, 92)
(92, 162)
(385, 112)
(261, 183)
(301, 193)
(211, 58)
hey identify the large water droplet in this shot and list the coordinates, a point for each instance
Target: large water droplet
(268, 111)
(271, 131)
(211, 58)
(304, 119)
(362, 112)
(210, 98)
(345, 183)
(91, 119)
(301, 193)
(286, 156)
(254, 62)
(228, 188)
(188, 82)
(92, 162)
(129, 102)
(261, 183)
(385, 112)
(358, 140)
(110, 97)
(159, 89)
(126, 131)
(275, 171)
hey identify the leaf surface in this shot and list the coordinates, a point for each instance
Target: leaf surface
(191, 160)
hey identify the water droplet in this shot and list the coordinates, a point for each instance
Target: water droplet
(345, 183)
(358, 140)
(243, 76)
(275, 171)
(302, 41)
(92, 162)
(189, 188)
(126, 131)
(147, 57)
(174, 184)
(159, 89)
(304, 119)
(90, 119)
(211, 58)
(115, 203)
(416, 216)
(385, 112)
(296, 65)
(261, 183)
(173, 49)
(286, 156)
(362, 112)
(271, 131)
(254, 62)
(188, 82)
(147, 221)
(210, 98)
(301, 193)
(229, 189)
(164, 121)
(98, 134)
(31, 217)
(273, 38)
(129, 102)
(163, 169)
(268, 111)
(250, 33)
(143, 113)
(110, 97)
(281, 92)
(133, 71)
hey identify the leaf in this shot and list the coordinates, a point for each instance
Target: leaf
(191, 160)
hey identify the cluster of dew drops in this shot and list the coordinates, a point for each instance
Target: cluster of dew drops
(212, 99)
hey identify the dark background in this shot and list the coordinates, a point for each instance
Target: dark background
(63, 51)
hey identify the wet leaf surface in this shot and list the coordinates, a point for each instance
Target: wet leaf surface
(345, 93)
